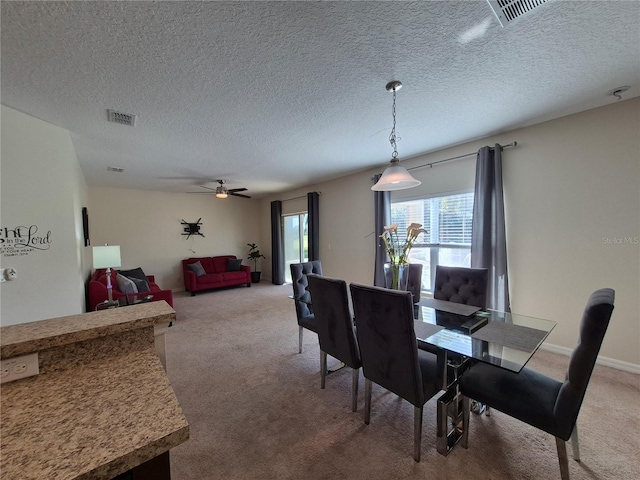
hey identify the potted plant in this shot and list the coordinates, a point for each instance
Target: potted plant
(254, 256)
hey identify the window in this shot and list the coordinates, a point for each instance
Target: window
(447, 220)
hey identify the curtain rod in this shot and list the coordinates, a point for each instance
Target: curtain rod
(296, 198)
(512, 144)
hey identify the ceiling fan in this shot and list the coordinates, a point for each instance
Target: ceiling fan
(223, 192)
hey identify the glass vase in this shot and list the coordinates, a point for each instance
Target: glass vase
(396, 276)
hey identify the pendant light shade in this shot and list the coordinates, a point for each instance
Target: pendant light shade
(395, 177)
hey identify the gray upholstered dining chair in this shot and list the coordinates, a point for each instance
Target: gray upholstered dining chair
(389, 351)
(302, 299)
(461, 285)
(541, 401)
(414, 285)
(336, 333)
(414, 282)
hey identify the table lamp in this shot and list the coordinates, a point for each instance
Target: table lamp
(106, 257)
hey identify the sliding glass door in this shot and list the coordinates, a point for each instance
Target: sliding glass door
(295, 237)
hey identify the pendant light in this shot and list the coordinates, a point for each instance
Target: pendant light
(395, 176)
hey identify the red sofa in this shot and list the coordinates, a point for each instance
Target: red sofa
(98, 289)
(216, 274)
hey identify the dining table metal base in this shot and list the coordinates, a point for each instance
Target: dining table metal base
(453, 419)
(460, 338)
(453, 407)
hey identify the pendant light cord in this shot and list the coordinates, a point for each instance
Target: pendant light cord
(392, 137)
(395, 176)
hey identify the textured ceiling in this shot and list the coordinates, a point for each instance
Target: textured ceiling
(273, 95)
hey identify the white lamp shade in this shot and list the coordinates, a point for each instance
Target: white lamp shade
(395, 177)
(107, 256)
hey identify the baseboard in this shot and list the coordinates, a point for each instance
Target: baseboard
(606, 361)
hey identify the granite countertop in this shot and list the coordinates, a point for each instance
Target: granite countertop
(31, 337)
(96, 421)
(100, 407)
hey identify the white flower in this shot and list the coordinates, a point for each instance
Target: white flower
(399, 251)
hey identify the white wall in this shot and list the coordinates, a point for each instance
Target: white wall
(43, 188)
(147, 226)
(572, 192)
(572, 188)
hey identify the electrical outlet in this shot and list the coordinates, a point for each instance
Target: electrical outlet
(19, 367)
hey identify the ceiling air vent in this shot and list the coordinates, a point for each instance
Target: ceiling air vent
(122, 118)
(508, 10)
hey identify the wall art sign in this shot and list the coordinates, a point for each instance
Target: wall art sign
(23, 240)
(192, 228)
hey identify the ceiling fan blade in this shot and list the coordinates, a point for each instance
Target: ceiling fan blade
(198, 179)
(236, 190)
(213, 189)
(238, 194)
(203, 193)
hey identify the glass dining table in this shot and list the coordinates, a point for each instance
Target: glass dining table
(461, 336)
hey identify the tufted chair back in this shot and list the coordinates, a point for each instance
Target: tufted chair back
(304, 309)
(461, 285)
(299, 272)
(593, 326)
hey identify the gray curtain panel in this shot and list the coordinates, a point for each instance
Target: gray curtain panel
(277, 246)
(488, 239)
(382, 213)
(313, 212)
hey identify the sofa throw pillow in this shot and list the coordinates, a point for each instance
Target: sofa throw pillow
(138, 277)
(197, 268)
(233, 264)
(142, 285)
(125, 285)
(134, 273)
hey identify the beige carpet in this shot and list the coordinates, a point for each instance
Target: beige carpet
(256, 411)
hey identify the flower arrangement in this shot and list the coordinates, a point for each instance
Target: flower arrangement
(397, 249)
(396, 271)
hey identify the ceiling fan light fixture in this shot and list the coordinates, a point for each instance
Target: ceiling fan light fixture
(395, 176)
(221, 192)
